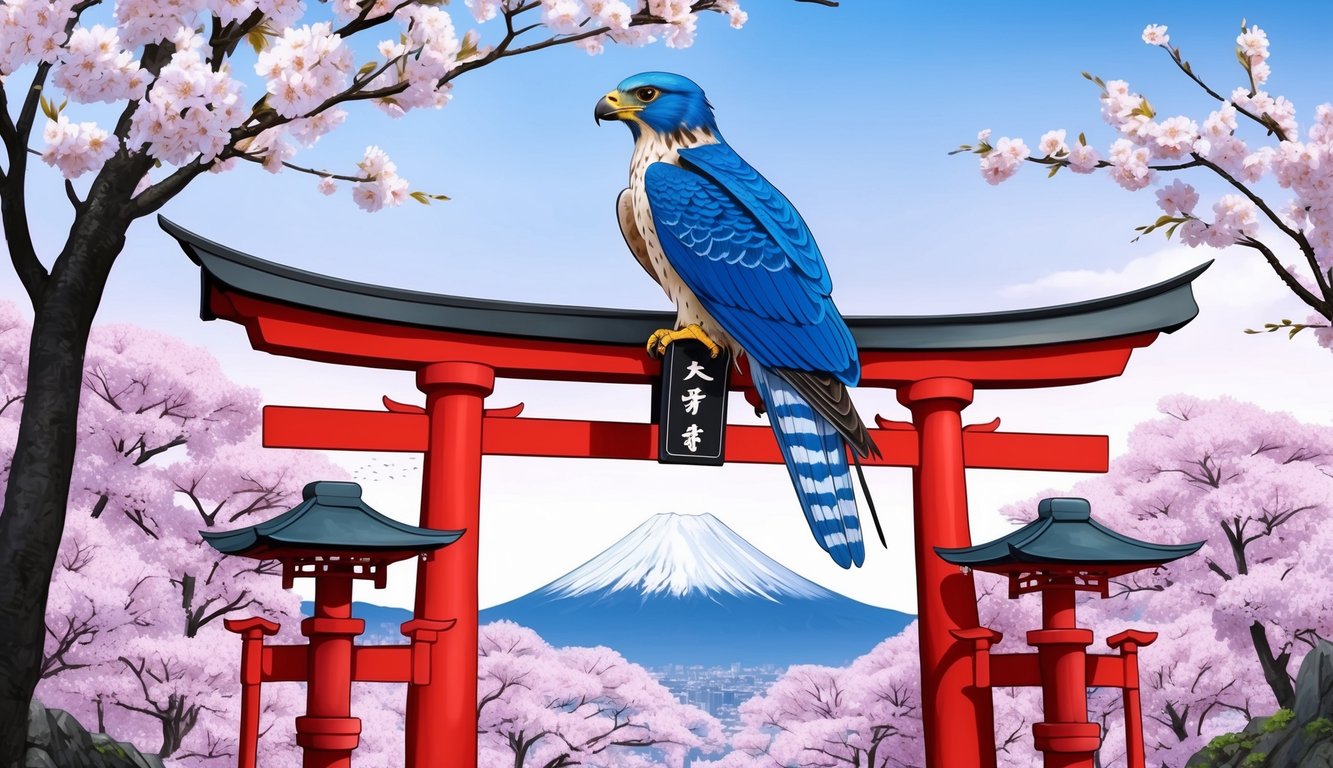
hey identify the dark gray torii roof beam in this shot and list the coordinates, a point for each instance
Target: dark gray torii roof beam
(1164, 307)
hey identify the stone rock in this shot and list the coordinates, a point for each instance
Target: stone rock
(39, 726)
(1319, 757)
(37, 758)
(1314, 684)
(57, 740)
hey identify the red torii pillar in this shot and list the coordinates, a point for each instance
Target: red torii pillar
(457, 347)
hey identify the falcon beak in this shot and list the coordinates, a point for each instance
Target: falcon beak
(612, 106)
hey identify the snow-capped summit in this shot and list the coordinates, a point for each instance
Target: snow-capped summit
(686, 589)
(680, 555)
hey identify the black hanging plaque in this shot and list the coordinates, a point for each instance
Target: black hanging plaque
(692, 409)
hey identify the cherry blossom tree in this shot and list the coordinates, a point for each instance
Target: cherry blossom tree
(867, 714)
(134, 642)
(1233, 620)
(171, 73)
(544, 707)
(1251, 139)
(1236, 618)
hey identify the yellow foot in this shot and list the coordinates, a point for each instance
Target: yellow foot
(660, 340)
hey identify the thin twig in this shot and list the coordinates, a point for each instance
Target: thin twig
(1270, 124)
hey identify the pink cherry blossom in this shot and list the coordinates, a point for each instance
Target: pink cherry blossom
(76, 148)
(1177, 197)
(1052, 143)
(1155, 34)
(997, 167)
(1175, 136)
(304, 67)
(1083, 158)
(92, 67)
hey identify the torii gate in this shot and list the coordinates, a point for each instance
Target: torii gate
(457, 347)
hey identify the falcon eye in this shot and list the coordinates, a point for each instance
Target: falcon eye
(646, 94)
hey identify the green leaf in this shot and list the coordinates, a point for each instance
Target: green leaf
(425, 197)
(1251, 330)
(367, 68)
(1082, 140)
(1093, 78)
(469, 47)
(49, 108)
(1054, 170)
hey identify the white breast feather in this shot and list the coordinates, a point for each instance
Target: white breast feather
(655, 148)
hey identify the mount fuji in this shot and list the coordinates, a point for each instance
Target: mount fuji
(686, 589)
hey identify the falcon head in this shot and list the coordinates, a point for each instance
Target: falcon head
(660, 102)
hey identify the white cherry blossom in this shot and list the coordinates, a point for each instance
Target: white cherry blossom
(1155, 34)
(76, 148)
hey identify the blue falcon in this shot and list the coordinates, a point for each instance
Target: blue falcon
(745, 275)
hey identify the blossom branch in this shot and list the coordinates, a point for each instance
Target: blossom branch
(259, 160)
(1321, 306)
(1267, 122)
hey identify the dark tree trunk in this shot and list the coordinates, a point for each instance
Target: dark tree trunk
(33, 519)
(1275, 667)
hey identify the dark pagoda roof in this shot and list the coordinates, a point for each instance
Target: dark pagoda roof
(1164, 307)
(331, 519)
(1065, 534)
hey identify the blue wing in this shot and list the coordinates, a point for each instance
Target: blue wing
(745, 252)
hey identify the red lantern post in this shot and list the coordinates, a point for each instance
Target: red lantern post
(1062, 552)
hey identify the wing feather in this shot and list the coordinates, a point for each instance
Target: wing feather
(745, 277)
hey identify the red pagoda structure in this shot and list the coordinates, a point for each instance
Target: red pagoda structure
(334, 538)
(456, 347)
(1062, 552)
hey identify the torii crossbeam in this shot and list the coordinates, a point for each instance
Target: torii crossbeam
(457, 347)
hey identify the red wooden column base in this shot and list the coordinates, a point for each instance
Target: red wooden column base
(958, 716)
(441, 727)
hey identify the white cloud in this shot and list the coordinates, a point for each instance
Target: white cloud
(1237, 278)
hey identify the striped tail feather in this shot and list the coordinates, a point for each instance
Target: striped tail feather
(816, 458)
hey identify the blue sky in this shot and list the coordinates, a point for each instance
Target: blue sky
(851, 112)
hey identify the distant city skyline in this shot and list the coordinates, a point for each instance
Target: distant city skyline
(850, 111)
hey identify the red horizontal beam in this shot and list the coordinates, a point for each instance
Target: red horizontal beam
(1106, 671)
(285, 663)
(1020, 670)
(348, 430)
(1010, 670)
(314, 335)
(381, 663)
(370, 663)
